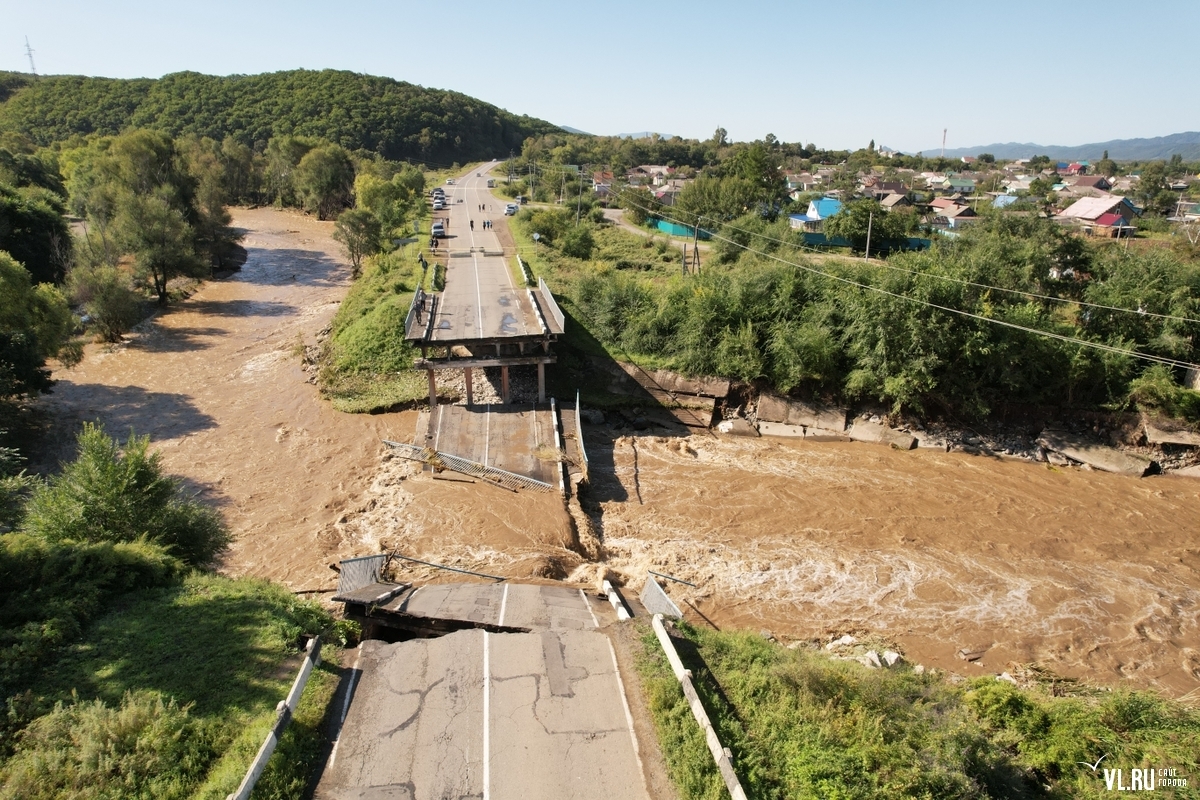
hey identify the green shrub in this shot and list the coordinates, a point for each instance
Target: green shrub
(147, 747)
(1156, 390)
(119, 494)
(578, 242)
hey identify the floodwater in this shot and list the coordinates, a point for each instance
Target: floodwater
(1091, 575)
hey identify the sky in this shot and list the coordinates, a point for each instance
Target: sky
(837, 73)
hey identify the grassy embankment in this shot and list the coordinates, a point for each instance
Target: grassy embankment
(801, 724)
(171, 694)
(366, 366)
(126, 669)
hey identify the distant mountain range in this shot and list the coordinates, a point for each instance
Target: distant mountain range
(1160, 147)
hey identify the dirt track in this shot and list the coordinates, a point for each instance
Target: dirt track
(1093, 575)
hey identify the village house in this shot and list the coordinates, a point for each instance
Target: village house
(1102, 216)
(953, 217)
(649, 175)
(818, 210)
(894, 200)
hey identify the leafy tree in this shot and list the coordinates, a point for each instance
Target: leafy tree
(324, 180)
(393, 202)
(719, 199)
(34, 232)
(35, 324)
(282, 156)
(1151, 192)
(358, 231)
(118, 493)
(859, 219)
(160, 239)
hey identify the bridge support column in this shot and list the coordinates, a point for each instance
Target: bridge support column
(504, 385)
(432, 391)
(467, 380)
(541, 383)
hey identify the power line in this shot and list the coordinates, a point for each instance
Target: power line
(1058, 336)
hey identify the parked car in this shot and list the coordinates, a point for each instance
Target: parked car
(438, 231)
(510, 209)
(520, 199)
(438, 205)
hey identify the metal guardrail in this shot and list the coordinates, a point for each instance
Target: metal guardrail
(656, 600)
(439, 460)
(721, 756)
(414, 309)
(525, 271)
(356, 573)
(583, 459)
(283, 715)
(552, 304)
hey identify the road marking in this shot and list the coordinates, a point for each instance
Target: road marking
(588, 606)
(487, 686)
(503, 605)
(637, 753)
(478, 296)
(487, 431)
(354, 673)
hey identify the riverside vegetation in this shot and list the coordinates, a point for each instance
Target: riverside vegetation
(801, 724)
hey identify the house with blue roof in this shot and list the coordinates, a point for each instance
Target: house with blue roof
(818, 210)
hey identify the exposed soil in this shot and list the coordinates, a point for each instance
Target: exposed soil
(1091, 575)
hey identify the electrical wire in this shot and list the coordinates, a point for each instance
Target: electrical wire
(1058, 336)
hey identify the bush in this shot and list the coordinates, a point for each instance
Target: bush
(144, 748)
(1156, 390)
(107, 297)
(578, 242)
(114, 494)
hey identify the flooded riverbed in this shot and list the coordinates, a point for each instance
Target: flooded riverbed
(1092, 575)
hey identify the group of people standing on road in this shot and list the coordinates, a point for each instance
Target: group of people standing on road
(486, 224)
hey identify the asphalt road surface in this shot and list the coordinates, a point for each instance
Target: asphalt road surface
(481, 300)
(499, 716)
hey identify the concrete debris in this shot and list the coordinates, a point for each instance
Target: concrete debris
(892, 658)
(1058, 459)
(1188, 472)
(1159, 432)
(1004, 676)
(737, 427)
(877, 433)
(871, 659)
(1097, 455)
(772, 408)
(801, 432)
(845, 641)
(919, 669)
(592, 416)
(973, 652)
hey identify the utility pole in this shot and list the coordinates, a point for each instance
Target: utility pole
(943, 142)
(870, 220)
(29, 54)
(579, 201)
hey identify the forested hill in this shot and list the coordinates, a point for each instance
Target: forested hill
(396, 119)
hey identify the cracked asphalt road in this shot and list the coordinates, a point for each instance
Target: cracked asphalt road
(511, 716)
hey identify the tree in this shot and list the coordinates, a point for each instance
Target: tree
(35, 325)
(324, 180)
(160, 239)
(393, 202)
(860, 219)
(118, 493)
(358, 231)
(33, 231)
(578, 242)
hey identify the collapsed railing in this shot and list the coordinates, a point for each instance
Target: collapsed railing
(583, 459)
(494, 475)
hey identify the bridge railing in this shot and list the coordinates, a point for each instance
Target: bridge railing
(525, 273)
(414, 310)
(552, 304)
(283, 715)
(583, 459)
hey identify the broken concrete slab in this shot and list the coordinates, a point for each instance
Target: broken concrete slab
(1187, 472)
(773, 408)
(1096, 455)
(737, 427)
(674, 382)
(800, 432)
(878, 433)
(1163, 433)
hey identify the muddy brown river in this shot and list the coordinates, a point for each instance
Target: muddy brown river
(1091, 575)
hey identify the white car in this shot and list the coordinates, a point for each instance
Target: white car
(449, 181)
(510, 209)
(438, 231)
(438, 205)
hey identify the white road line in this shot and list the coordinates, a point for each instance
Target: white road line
(487, 710)
(588, 606)
(487, 432)
(503, 605)
(637, 753)
(478, 296)
(354, 673)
